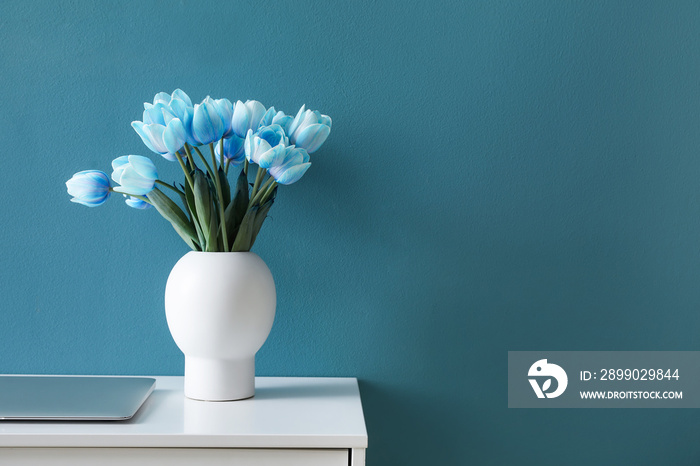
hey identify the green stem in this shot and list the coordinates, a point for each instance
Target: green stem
(213, 154)
(190, 181)
(169, 186)
(198, 151)
(221, 152)
(268, 193)
(261, 193)
(226, 165)
(190, 157)
(245, 167)
(258, 178)
(206, 164)
(219, 193)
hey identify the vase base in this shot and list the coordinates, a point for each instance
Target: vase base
(219, 379)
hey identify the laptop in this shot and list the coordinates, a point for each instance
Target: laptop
(72, 398)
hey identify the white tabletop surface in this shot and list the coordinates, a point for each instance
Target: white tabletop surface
(286, 412)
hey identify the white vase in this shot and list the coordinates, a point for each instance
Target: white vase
(220, 307)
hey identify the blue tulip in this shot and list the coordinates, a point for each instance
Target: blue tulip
(266, 147)
(136, 174)
(178, 94)
(161, 130)
(207, 125)
(309, 129)
(151, 135)
(89, 187)
(273, 134)
(158, 113)
(224, 107)
(181, 107)
(292, 167)
(234, 150)
(137, 203)
(165, 124)
(247, 116)
(161, 98)
(167, 99)
(163, 140)
(273, 117)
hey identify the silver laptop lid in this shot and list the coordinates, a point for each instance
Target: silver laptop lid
(72, 398)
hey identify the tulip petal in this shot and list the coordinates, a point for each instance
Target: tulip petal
(151, 135)
(120, 162)
(179, 94)
(155, 133)
(293, 156)
(234, 150)
(161, 98)
(312, 137)
(118, 166)
(185, 114)
(260, 147)
(89, 188)
(240, 119)
(179, 108)
(137, 203)
(297, 155)
(225, 109)
(312, 118)
(84, 188)
(207, 126)
(88, 203)
(297, 120)
(133, 183)
(168, 116)
(248, 145)
(273, 134)
(307, 119)
(257, 111)
(174, 136)
(146, 115)
(236, 158)
(283, 121)
(154, 114)
(293, 174)
(268, 117)
(145, 137)
(271, 157)
(143, 166)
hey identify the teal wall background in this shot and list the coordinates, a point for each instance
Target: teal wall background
(501, 175)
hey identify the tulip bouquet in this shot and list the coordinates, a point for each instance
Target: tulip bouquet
(212, 215)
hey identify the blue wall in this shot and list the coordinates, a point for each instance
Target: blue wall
(501, 175)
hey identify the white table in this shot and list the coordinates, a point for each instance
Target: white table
(290, 421)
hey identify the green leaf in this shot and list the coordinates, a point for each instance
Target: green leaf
(172, 213)
(189, 197)
(261, 216)
(183, 198)
(225, 187)
(212, 242)
(202, 204)
(236, 210)
(215, 233)
(242, 242)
